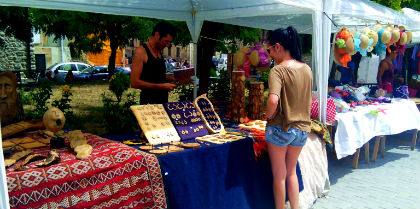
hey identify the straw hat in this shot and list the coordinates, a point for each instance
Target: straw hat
(239, 58)
(385, 36)
(403, 38)
(254, 57)
(409, 36)
(395, 35)
(343, 46)
(377, 27)
(374, 35)
(364, 41)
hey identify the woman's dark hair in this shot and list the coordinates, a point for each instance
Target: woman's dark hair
(392, 48)
(164, 28)
(289, 39)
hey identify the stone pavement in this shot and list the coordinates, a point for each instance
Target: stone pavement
(391, 182)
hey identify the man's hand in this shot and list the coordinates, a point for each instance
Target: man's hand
(168, 86)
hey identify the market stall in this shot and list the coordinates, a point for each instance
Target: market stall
(267, 14)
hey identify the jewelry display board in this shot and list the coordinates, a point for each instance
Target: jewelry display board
(220, 138)
(186, 119)
(208, 115)
(155, 123)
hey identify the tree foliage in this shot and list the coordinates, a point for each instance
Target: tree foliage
(17, 22)
(399, 4)
(89, 31)
(219, 37)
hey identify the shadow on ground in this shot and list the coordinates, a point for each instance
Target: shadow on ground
(393, 145)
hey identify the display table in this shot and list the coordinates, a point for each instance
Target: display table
(354, 129)
(114, 176)
(219, 176)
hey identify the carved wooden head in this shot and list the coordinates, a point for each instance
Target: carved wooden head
(54, 119)
(8, 97)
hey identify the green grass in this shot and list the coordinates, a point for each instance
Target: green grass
(86, 104)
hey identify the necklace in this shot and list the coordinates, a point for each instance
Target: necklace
(153, 50)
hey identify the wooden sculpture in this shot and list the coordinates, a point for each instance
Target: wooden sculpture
(79, 144)
(256, 100)
(11, 110)
(238, 96)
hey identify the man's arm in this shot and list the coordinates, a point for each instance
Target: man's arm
(381, 70)
(139, 59)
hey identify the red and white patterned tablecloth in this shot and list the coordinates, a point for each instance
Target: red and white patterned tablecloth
(114, 176)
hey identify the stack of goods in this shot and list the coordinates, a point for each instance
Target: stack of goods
(155, 123)
(220, 138)
(256, 100)
(343, 46)
(208, 115)
(256, 124)
(249, 56)
(186, 119)
(347, 43)
(238, 97)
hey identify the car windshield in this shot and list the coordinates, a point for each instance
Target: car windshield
(91, 69)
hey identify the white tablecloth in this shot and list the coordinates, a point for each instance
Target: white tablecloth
(354, 129)
(313, 164)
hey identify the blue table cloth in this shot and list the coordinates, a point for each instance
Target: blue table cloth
(217, 176)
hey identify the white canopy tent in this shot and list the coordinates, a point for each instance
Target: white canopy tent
(415, 16)
(265, 14)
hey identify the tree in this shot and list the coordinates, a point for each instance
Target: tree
(89, 31)
(399, 4)
(16, 22)
(222, 37)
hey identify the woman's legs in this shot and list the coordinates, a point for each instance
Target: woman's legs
(292, 156)
(278, 166)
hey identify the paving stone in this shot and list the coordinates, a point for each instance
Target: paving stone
(391, 182)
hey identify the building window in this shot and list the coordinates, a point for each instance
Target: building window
(132, 42)
(178, 51)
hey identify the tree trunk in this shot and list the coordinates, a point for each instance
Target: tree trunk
(205, 51)
(114, 48)
(28, 40)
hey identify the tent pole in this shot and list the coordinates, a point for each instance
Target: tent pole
(4, 192)
(195, 70)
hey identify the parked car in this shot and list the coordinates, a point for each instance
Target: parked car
(99, 72)
(222, 64)
(58, 72)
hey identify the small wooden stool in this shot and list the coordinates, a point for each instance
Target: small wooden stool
(356, 155)
(376, 147)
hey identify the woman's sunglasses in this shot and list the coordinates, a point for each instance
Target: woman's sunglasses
(268, 49)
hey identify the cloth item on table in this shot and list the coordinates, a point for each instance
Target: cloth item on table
(364, 90)
(401, 92)
(113, 176)
(346, 72)
(341, 105)
(331, 110)
(354, 93)
(321, 130)
(387, 86)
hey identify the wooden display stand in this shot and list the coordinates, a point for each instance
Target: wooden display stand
(238, 96)
(256, 100)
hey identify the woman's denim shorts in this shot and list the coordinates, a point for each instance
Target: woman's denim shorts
(294, 137)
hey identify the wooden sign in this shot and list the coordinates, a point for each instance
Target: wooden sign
(208, 115)
(155, 123)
